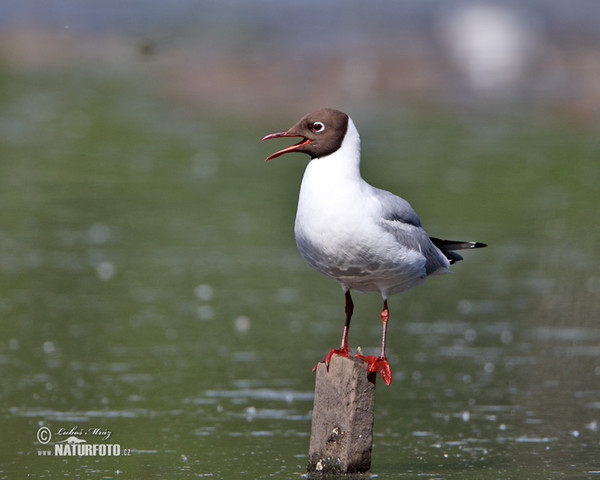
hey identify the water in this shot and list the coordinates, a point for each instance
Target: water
(150, 288)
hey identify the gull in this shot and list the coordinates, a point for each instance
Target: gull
(365, 238)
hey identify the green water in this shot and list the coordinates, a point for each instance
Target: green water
(150, 287)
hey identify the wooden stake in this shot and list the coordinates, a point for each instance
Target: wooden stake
(341, 437)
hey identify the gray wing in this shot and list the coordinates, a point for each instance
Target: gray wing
(396, 208)
(399, 218)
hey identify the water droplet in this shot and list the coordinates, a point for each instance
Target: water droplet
(242, 324)
(593, 426)
(464, 307)
(98, 233)
(204, 292)
(49, 347)
(506, 337)
(205, 312)
(13, 344)
(105, 270)
(470, 335)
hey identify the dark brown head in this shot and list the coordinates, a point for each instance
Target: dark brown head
(321, 133)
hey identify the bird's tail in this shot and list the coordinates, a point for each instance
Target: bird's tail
(447, 247)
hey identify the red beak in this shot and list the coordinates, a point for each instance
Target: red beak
(291, 148)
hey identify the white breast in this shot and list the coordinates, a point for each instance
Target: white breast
(337, 230)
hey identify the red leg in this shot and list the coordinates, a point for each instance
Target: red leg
(380, 364)
(344, 349)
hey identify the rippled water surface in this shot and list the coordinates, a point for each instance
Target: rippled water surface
(150, 288)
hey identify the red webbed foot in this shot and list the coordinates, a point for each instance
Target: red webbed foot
(378, 365)
(344, 351)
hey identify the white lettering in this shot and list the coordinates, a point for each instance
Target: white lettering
(87, 449)
(100, 432)
(59, 449)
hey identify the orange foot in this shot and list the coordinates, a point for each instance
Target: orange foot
(379, 365)
(345, 351)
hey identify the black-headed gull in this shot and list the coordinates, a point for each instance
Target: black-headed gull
(365, 238)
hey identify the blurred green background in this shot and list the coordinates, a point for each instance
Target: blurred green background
(149, 280)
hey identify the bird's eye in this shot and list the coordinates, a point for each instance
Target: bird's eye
(318, 127)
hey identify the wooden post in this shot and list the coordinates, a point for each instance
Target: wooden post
(342, 422)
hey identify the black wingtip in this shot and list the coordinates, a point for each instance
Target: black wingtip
(447, 247)
(452, 257)
(455, 244)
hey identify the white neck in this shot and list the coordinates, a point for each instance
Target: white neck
(330, 184)
(342, 165)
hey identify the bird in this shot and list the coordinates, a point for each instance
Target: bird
(365, 238)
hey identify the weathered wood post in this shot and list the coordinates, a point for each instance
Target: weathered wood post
(341, 437)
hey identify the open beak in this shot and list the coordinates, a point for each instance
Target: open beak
(291, 148)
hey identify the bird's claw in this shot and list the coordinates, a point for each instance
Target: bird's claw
(344, 351)
(378, 365)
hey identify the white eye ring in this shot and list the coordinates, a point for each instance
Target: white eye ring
(318, 127)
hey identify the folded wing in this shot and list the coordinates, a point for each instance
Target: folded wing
(447, 247)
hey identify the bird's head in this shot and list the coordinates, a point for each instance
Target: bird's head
(321, 133)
